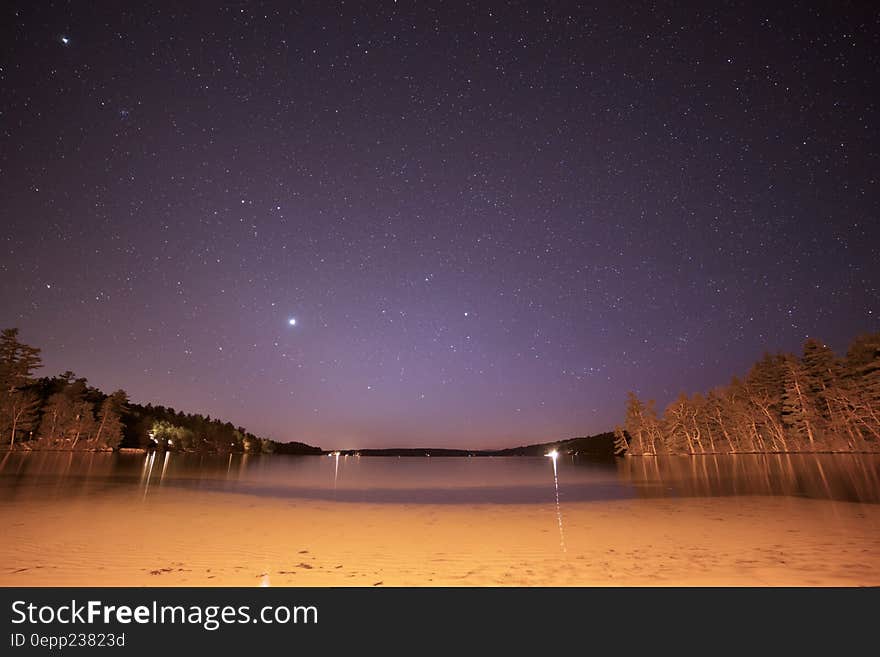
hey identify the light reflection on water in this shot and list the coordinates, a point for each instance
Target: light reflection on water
(844, 477)
(448, 480)
(554, 456)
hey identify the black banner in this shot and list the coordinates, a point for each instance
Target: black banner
(115, 621)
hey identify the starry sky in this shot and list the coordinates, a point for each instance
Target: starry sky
(489, 221)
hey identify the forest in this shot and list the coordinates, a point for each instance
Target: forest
(64, 412)
(815, 402)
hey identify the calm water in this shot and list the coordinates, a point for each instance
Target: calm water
(37, 475)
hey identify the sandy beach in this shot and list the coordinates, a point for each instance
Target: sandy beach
(196, 538)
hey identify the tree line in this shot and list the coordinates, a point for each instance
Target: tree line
(64, 412)
(815, 402)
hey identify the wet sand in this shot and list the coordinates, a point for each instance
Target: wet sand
(206, 539)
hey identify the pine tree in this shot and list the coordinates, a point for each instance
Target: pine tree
(83, 424)
(823, 376)
(635, 424)
(68, 416)
(765, 385)
(18, 361)
(800, 414)
(786, 403)
(24, 407)
(820, 365)
(109, 430)
(56, 415)
(18, 406)
(862, 377)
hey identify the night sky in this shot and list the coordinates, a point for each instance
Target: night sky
(489, 221)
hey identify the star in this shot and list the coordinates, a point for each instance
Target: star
(257, 194)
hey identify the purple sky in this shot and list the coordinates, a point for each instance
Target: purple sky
(489, 223)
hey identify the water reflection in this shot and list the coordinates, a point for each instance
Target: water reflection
(554, 456)
(148, 471)
(845, 477)
(850, 477)
(164, 466)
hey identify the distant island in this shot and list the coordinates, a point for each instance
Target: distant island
(813, 403)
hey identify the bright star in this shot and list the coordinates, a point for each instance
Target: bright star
(292, 321)
(65, 40)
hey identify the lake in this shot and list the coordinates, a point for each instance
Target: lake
(166, 519)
